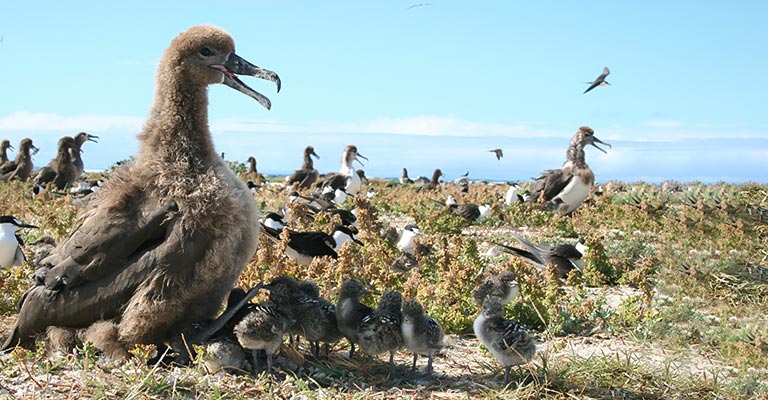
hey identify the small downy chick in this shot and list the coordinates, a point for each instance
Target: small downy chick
(265, 324)
(350, 312)
(381, 331)
(329, 332)
(503, 286)
(310, 318)
(421, 334)
(506, 339)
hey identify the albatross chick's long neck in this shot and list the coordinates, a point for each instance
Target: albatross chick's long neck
(176, 132)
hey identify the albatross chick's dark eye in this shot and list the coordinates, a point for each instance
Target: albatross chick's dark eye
(206, 52)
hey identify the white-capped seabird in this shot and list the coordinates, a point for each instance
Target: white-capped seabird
(346, 178)
(564, 257)
(11, 253)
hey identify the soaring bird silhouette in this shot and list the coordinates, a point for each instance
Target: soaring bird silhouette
(600, 81)
(498, 152)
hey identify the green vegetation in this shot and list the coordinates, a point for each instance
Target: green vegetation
(672, 302)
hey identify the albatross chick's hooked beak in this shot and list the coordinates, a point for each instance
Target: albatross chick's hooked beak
(235, 65)
(361, 156)
(33, 149)
(594, 139)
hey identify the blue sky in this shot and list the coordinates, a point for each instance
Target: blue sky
(426, 87)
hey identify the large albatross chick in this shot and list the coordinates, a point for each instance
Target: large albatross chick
(167, 236)
(566, 188)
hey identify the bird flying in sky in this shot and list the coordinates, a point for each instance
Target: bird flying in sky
(600, 81)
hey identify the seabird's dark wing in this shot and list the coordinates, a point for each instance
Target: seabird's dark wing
(470, 212)
(600, 79)
(94, 273)
(9, 166)
(314, 244)
(550, 184)
(566, 251)
(44, 175)
(507, 332)
(532, 255)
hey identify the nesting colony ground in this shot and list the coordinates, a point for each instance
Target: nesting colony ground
(672, 302)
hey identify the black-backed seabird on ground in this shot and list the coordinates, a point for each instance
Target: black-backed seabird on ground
(564, 257)
(11, 253)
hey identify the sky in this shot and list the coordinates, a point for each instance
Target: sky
(423, 87)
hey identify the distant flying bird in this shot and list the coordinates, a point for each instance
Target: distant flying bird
(498, 152)
(418, 5)
(600, 81)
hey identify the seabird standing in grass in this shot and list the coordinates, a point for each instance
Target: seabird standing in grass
(506, 339)
(61, 171)
(11, 254)
(382, 331)
(421, 333)
(565, 257)
(168, 235)
(346, 177)
(404, 179)
(4, 146)
(307, 175)
(21, 167)
(502, 286)
(350, 312)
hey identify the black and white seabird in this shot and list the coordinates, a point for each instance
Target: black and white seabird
(564, 257)
(566, 188)
(168, 235)
(21, 166)
(305, 246)
(11, 254)
(421, 334)
(350, 312)
(306, 176)
(506, 339)
(498, 152)
(381, 331)
(470, 212)
(513, 195)
(407, 240)
(600, 81)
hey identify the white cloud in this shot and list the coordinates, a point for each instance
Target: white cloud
(27, 121)
(663, 124)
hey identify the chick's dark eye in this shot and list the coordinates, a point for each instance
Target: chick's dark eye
(206, 52)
